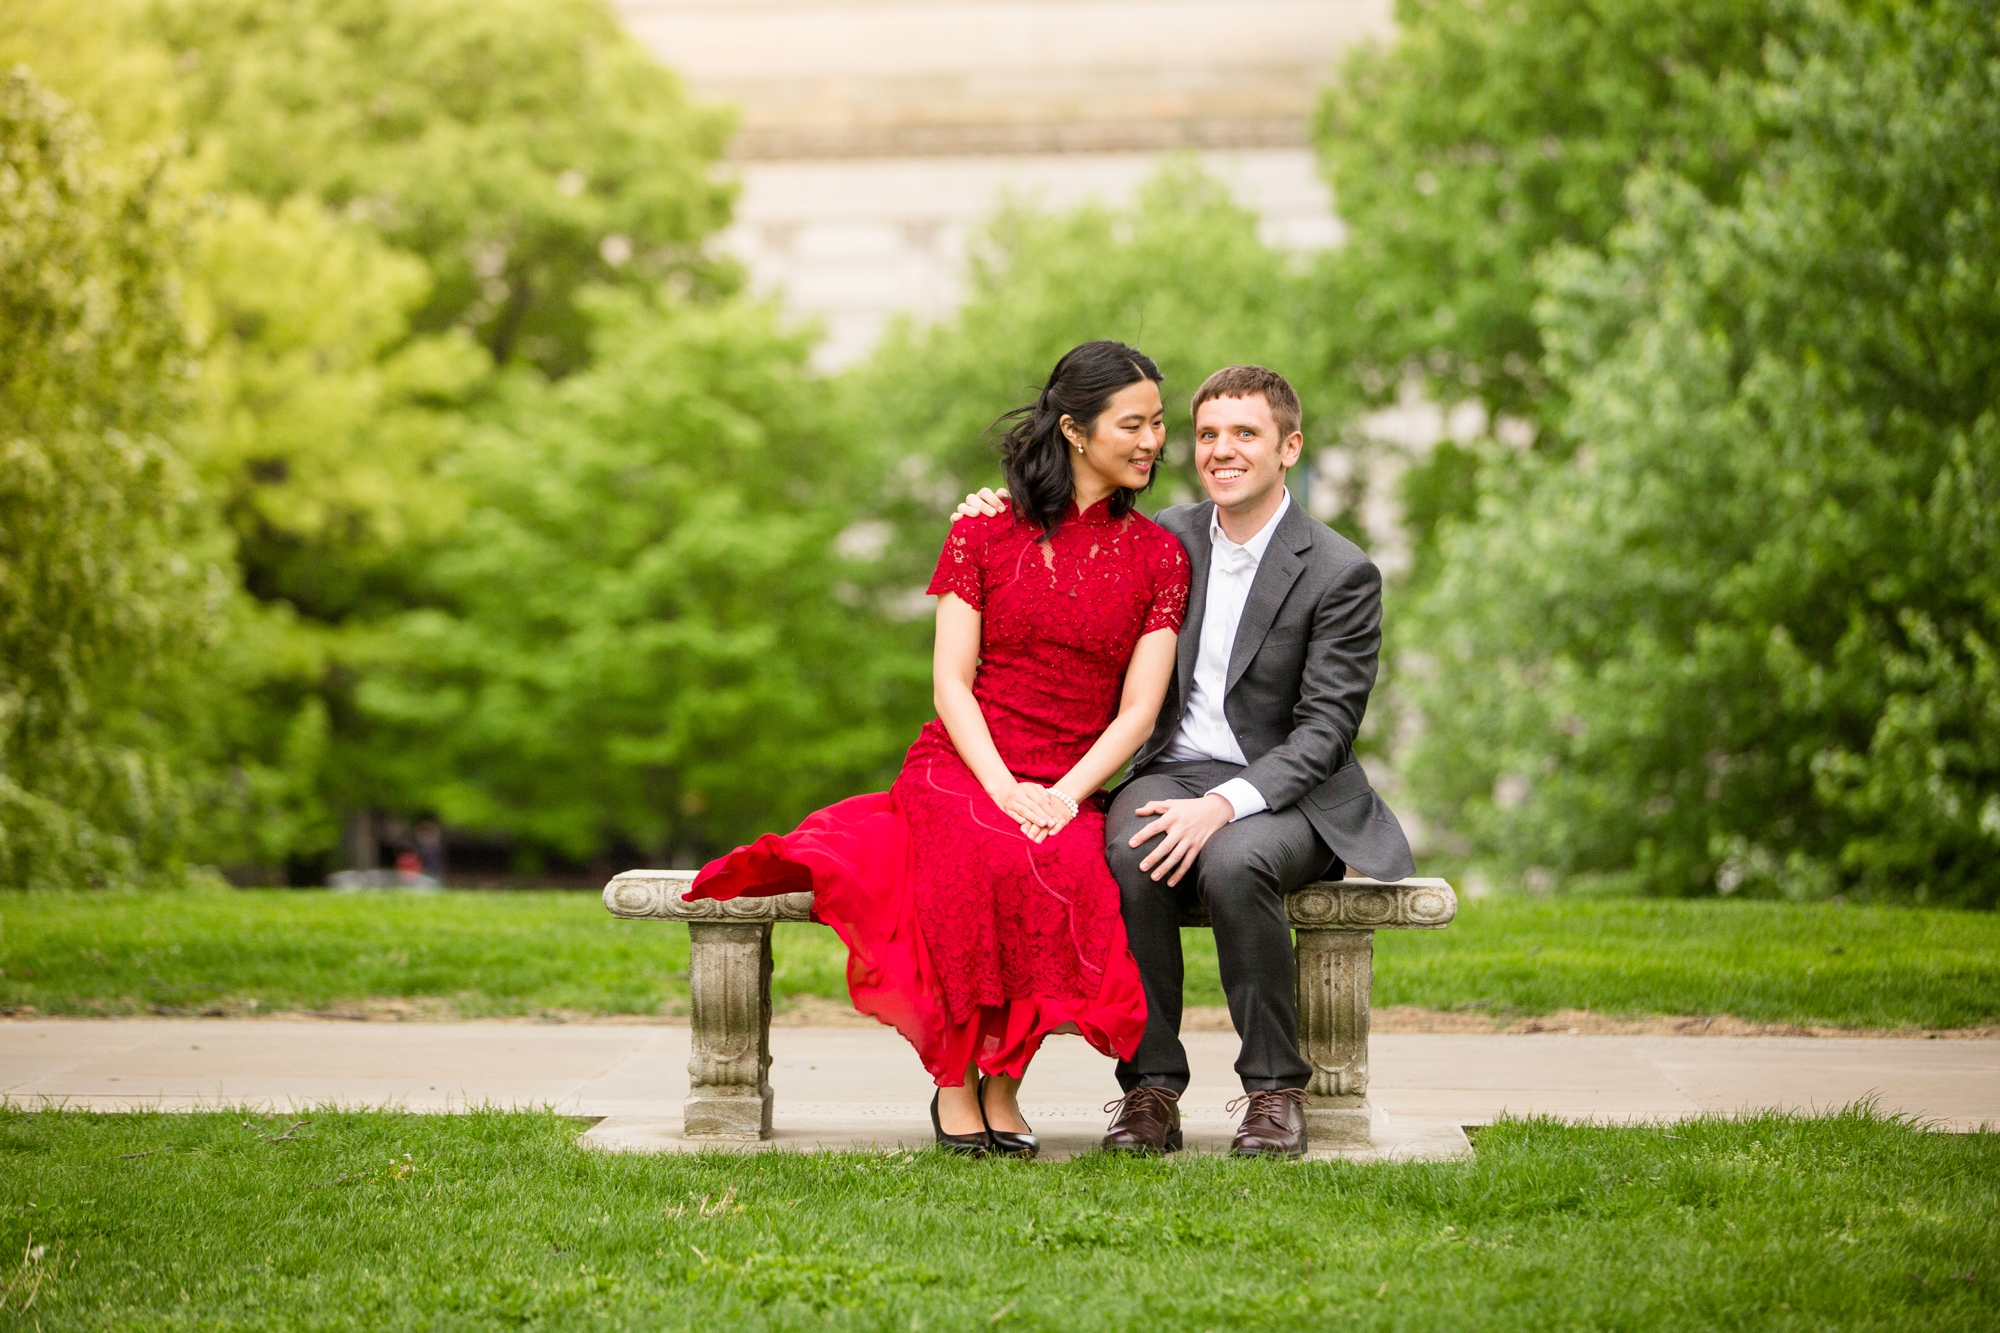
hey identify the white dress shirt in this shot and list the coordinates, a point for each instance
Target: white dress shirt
(1205, 732)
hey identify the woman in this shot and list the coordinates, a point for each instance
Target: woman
(973, 896)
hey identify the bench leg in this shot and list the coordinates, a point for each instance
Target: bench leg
(1335, 970)
(729, 977)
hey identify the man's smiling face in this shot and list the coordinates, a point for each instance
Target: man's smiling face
(1239, 454)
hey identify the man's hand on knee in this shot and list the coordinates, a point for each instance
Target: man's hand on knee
(1183, 828)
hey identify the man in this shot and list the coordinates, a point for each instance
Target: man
(1248, 787)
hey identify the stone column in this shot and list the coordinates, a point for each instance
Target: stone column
(1335, 970)
(729, 979)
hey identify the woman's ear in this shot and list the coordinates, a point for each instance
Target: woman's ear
(1071, 431)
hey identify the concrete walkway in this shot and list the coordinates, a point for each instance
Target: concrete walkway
(845, 1087)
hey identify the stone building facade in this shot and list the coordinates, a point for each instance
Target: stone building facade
(876, 134)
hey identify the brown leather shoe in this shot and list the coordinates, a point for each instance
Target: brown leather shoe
(1148, 1120)
(1274, 1126)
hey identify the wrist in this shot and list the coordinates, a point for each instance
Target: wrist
(1223, 805)
(1243, 799)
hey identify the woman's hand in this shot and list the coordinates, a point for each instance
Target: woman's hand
(1039, 811)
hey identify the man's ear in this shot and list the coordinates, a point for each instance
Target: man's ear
(1290, 451)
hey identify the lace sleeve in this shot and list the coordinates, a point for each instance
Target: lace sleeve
(1170, 588)
(961, 566)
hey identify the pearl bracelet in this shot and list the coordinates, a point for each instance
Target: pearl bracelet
(1063, 796)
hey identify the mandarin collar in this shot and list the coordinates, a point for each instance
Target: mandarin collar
(1098, 513)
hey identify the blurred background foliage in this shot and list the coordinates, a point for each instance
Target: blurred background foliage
(1738, 631)
(382, 438)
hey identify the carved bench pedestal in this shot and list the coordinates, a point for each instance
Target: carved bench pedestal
(729, 988)
(1333, 948)
(729, 977)
(729, 983)
(1335, 970)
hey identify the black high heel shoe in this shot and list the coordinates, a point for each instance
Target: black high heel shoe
(1006, 1142)
(965, 1145)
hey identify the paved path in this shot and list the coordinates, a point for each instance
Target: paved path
(847, 1086)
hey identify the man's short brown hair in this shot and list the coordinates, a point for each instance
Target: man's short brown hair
(1254, 382)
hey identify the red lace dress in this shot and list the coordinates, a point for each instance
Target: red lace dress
(969, 939)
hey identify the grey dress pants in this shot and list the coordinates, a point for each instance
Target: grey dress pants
(1242, 876)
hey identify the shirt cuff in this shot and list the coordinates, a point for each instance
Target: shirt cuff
(1242, 797)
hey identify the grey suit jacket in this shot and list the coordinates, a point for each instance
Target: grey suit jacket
(1298, 683)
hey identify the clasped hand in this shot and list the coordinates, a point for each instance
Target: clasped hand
(1038, 810)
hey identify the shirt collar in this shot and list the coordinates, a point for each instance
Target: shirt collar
(1259, 543)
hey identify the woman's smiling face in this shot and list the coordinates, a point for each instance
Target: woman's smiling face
(1125, 443)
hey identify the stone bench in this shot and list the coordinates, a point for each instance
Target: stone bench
(729, 982)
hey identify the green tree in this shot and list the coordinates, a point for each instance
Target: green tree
(1462, 151)
(416, 193)
(329, 417)
(326, 430)
(107, 586)
(1745, 639)
(89, 53)
(648, 628)
(1486, 133)
(524, 149)
(420, 215)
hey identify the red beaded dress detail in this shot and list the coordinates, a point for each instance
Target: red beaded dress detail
(969, 939)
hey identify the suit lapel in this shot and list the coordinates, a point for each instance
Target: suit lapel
(1276, 573)
(1199, 549)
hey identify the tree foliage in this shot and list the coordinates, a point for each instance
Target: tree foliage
(648, 629)
(1462, 151)
(324, 431)
(416, 212)
(330, 417)
(416, 193)
(524, 149)
(1745, 639)
(106, 592)
(1486, 133)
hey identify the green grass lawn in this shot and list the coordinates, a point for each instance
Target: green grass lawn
(1868, 967)
(484, 954)
(499, 1221)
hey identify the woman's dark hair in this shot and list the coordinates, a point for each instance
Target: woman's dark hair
(1035, 456)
